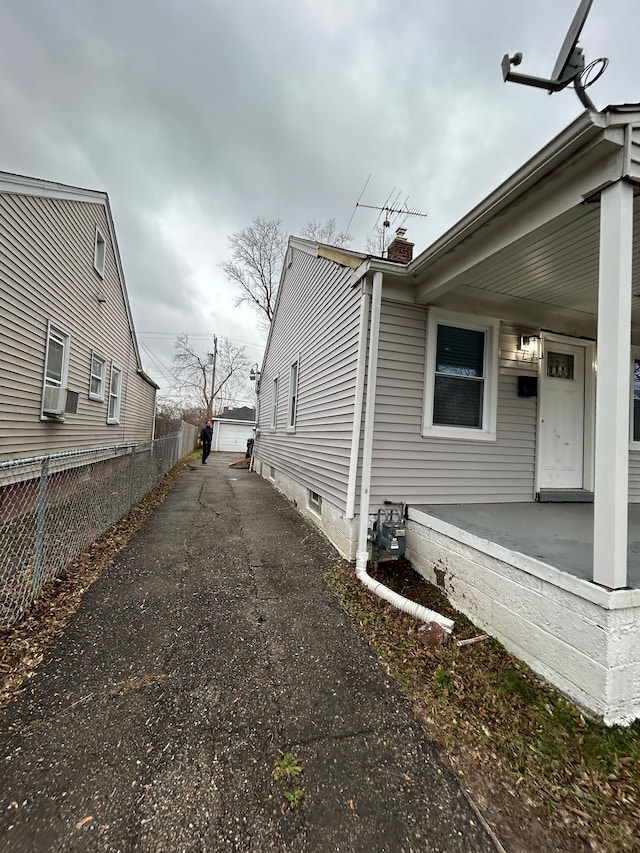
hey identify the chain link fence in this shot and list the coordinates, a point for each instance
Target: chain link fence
(53, 507)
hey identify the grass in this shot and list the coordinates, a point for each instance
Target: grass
(528, 756)
(286, 769)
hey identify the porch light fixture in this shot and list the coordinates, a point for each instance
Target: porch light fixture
(530, 348)
(255, 373)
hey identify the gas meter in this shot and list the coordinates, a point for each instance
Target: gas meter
(388, 532)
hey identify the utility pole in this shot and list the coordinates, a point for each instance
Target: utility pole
(213, 378)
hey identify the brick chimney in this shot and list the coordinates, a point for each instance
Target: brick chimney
(400, 249)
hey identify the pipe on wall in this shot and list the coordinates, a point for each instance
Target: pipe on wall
(361, 366)
(418, 611)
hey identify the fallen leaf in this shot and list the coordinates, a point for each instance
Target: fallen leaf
(84, 820)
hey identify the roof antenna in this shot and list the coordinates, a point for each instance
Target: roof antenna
(569, 67)
(389, 210)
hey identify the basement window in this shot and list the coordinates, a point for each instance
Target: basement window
(315, 501)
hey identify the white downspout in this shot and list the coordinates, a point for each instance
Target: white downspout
(362, 554)
(361, 367)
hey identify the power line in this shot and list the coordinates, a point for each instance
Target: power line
(199, 336)
(164, 371)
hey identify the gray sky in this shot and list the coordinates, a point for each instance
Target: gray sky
(197, 115)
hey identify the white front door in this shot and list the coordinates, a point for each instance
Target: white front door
(562, 417)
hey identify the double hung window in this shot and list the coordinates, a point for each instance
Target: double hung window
(99, 253)
(274, 404)
(635, 396)
(55, 372)
(97, 379)
(461, 377)
(115, 395)
(292, 408)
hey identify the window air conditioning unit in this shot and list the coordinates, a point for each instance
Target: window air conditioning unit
(54, 401)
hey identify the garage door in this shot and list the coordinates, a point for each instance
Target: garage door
(233, 437)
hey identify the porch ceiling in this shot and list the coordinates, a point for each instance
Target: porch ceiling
(553, 267)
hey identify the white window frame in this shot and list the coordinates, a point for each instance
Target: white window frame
(491, 329)
(314, 501)
(634, 444)
(274, 404)
(99, 252)
(292, 400)
(100, 377)
(115, 399)
(55, 333)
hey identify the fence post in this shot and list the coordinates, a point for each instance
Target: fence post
(132, 474)
(41, 517)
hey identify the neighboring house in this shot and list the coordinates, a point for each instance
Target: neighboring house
(233, 428)
(515, 456)
(70, 371)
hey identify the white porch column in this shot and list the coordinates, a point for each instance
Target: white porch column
(610, 525)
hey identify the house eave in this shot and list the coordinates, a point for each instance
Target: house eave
(392, 271)
(148, 379)
(24, 185)
(585, 128)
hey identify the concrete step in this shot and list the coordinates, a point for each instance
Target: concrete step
(565, 496)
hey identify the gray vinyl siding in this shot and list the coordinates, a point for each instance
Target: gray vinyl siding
(413, 469)
(317, 320)
(634, 477)
(47, 275)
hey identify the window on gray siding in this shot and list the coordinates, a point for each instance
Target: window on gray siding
(459, 377)
(293, 395)
(55, 372)
(115, 394)
(99, 252)
(97, 380)
(636, 399)
(274, 405)
(314, 501)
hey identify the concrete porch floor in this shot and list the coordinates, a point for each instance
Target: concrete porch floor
(560, 534)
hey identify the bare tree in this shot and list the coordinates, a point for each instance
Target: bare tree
(168, 417)
(210, 381)
(326, 232)
(378, 240)
(256, 263)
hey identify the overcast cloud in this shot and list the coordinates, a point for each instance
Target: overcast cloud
(198, 115)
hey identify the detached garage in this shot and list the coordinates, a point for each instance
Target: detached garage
(232, 429)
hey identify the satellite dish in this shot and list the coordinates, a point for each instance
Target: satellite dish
(569, 66)
(565, 62)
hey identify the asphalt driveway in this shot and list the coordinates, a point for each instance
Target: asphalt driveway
(207, 648)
